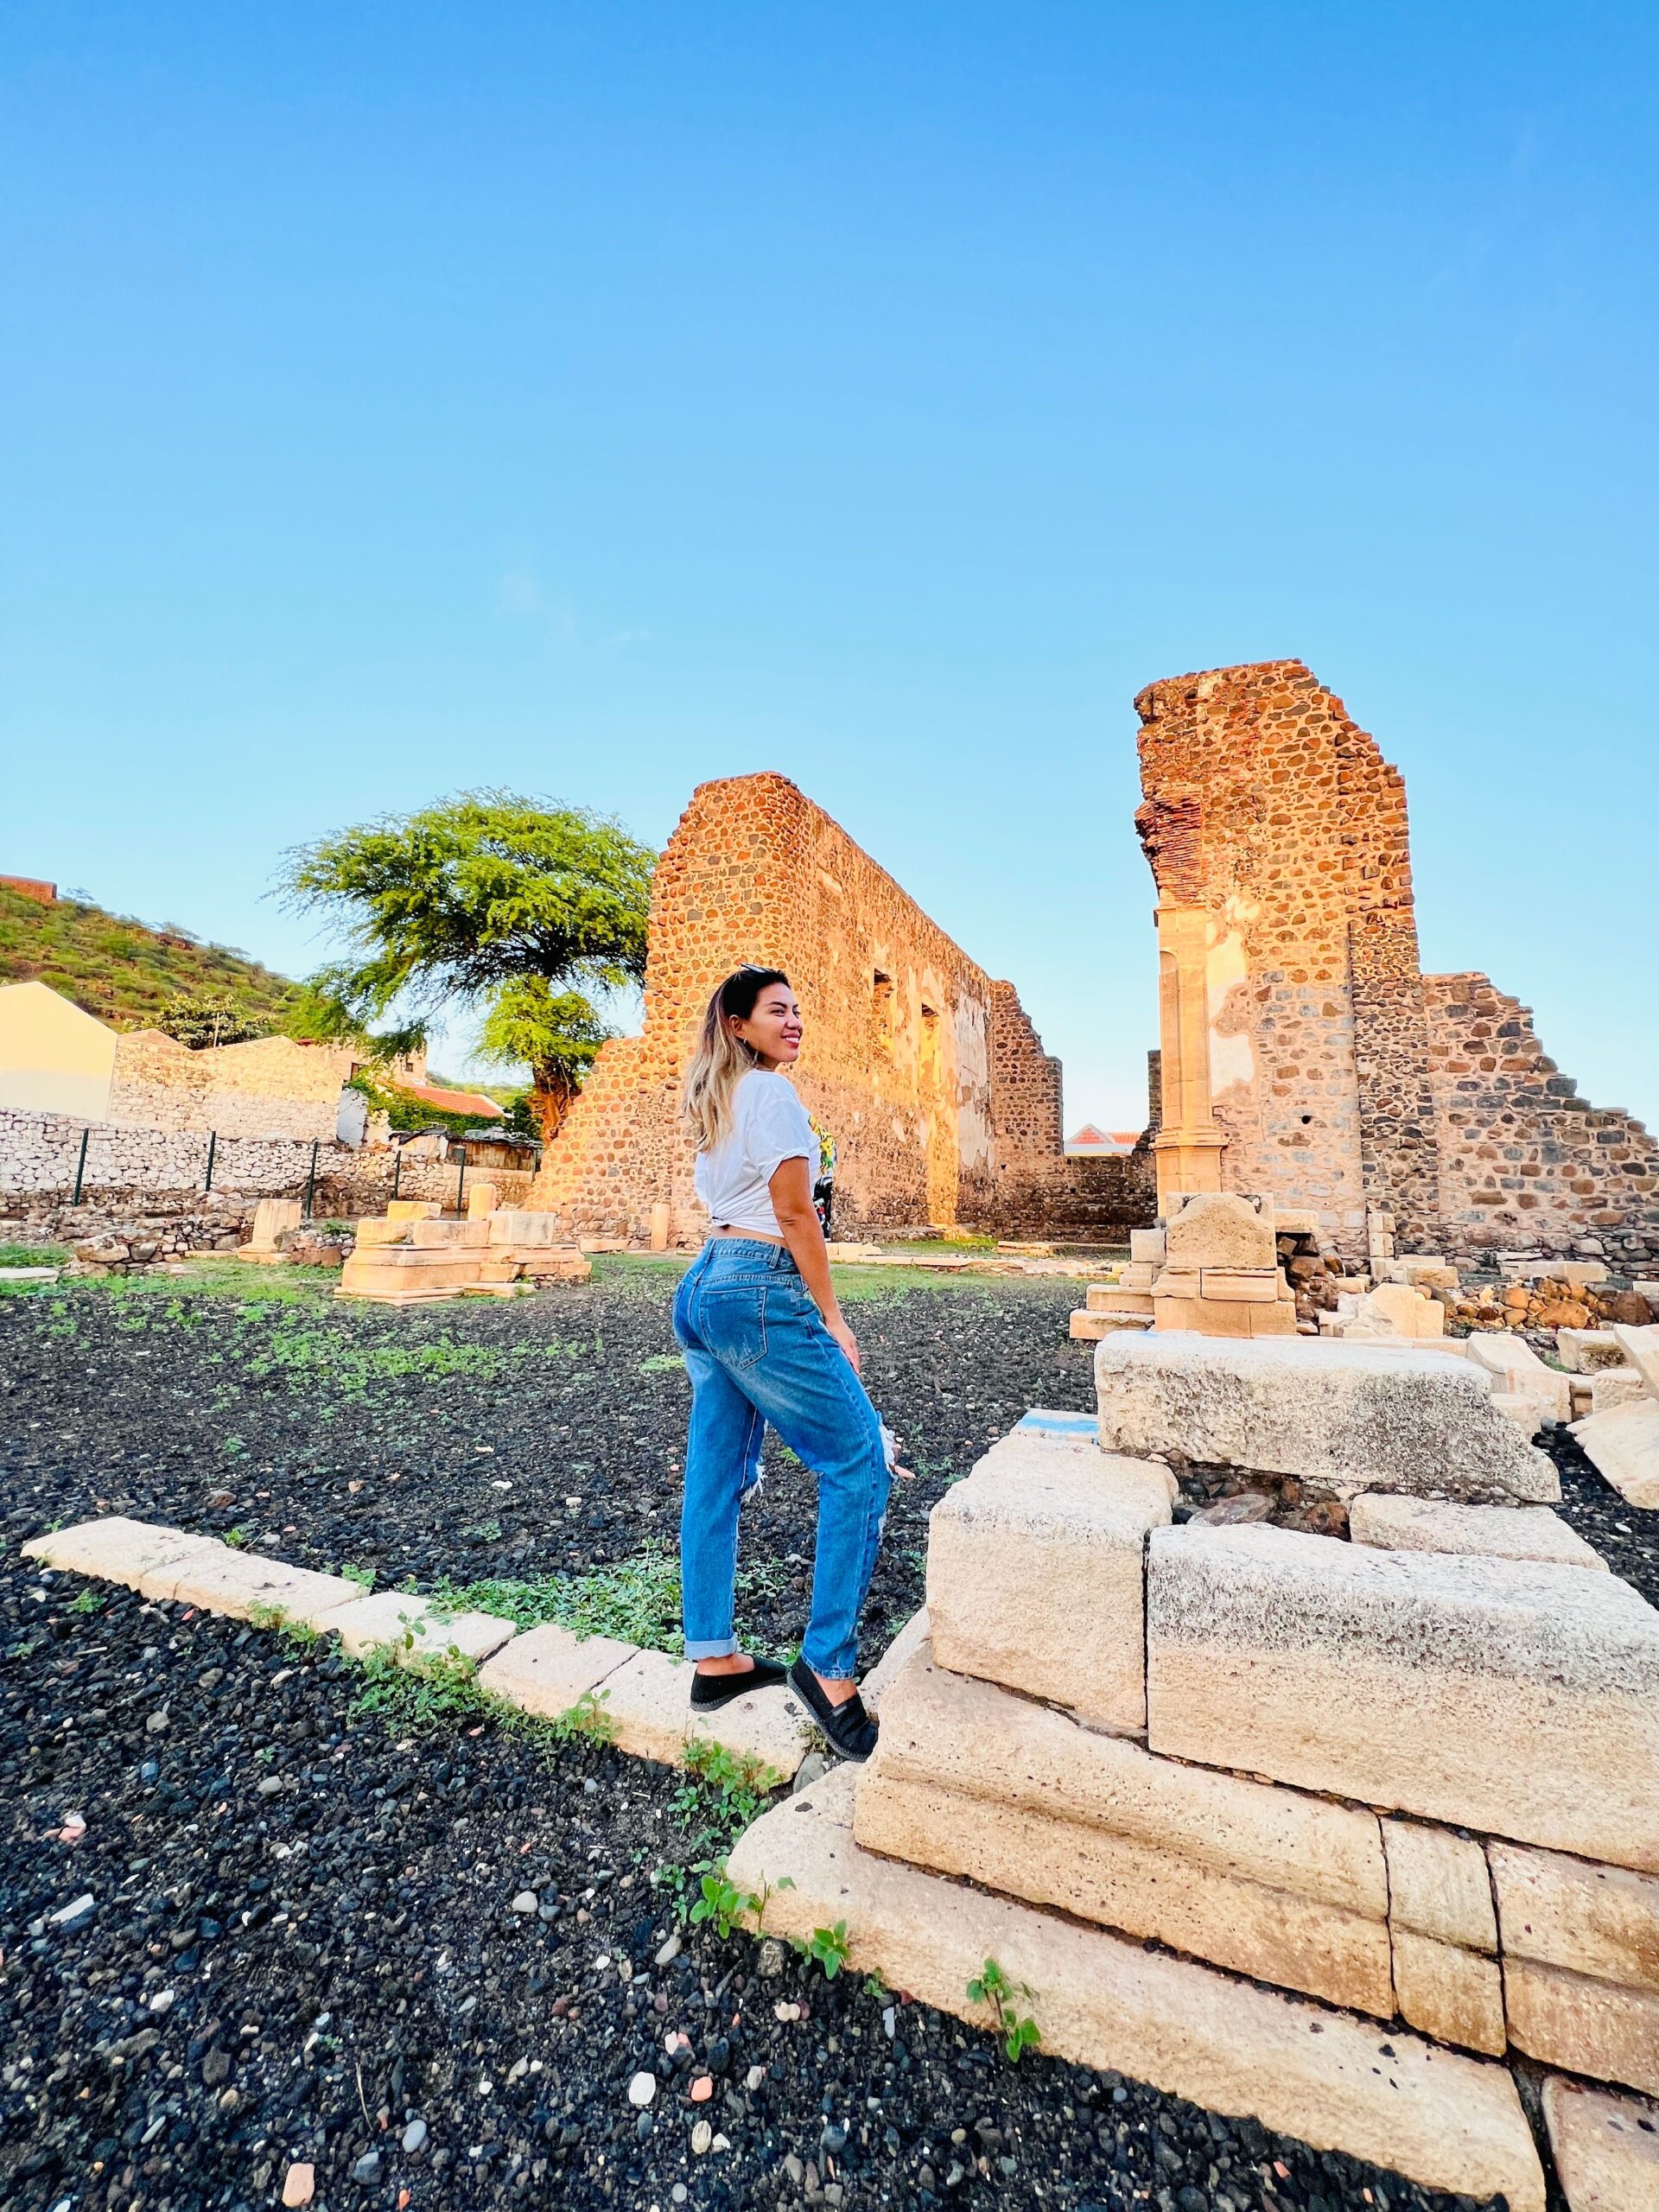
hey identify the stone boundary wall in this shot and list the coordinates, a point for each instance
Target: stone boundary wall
(265, 1087)
(931, 1079)
(125, 1167)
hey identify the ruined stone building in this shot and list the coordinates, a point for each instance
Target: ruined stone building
(1304, 1051)
(943, 1105)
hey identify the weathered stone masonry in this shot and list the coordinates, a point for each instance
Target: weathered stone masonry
(1305, 1053)
(944, 1107)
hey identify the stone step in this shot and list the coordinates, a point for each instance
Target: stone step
(1606, 2148)
(1030, 1522)
(1511, 1696)
(1088, 1327)
(970, 1779)
(1581, 1962)
(1346, 1417)
(1331, 2078)
(1387, 1523)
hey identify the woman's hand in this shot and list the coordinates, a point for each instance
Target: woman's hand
(844, 1337)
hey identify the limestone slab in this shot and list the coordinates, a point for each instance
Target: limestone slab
(1601, 1921)
(402, 1273)
(547, 1670)
(138, 1554)
(1455, 1994)
(1507, 1695)
(1512, 1359)
(1586, 1351)
(1624, 1447)
(1347, 1417)
(1331, 2078)
(393, 1619)
(413, 1209)
(1425, 1524)
(379, 1231)
(240, 1583)
(987, 1743)
(1440, 1886)
(1606, 2148)
(1589, 2027)
(648, 1702)
(970, 1779)
(1274, 1935)
(465, 1235)
(1028, 1523)
(1613, 1388)
(1641, 1347)
(518, 1225)
(910, 1640)
(1220, 1229)
(1088, 1327)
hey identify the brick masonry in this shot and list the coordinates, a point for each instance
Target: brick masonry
(1339, 1076)
(943, 1105)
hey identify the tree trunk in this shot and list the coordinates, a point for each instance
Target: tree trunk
(550, 1095)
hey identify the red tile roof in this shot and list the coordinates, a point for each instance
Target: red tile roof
(453, 1101)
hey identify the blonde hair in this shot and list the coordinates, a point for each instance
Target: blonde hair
(721, 1060)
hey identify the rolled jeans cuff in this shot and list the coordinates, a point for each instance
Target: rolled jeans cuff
(715, 1647)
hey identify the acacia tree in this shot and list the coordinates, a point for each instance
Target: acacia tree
(511, 907)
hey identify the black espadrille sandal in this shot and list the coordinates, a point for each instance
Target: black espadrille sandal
(711, 1691)
(849, 1729)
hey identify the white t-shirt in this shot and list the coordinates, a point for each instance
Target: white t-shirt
(769, 1125)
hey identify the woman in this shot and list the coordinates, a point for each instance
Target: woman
(765, 1341)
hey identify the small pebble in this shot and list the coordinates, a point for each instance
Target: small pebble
(527, 1901)
(669, 1952)
(702, 2136)
(642, 2089)
(754, 2077)
(366, 2172)
(415, 2137)
(701, 2089)
(163, 2000)
(299, 2184)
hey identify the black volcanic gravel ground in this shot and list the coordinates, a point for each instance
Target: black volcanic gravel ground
(328, 1901)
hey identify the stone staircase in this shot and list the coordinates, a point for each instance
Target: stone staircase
(1317, 1830)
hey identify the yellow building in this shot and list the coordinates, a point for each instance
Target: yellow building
(54, 1059)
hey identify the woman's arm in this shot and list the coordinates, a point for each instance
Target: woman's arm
(797, 1224)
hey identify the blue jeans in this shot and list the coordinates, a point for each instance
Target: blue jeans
(757, 1351)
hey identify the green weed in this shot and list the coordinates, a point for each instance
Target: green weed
(828, 1947)
(34, 1255)
(89, 1600)
(363, 1576)
(237, 1539)
(991, 1985)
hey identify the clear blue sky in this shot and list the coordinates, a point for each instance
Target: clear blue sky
(597, 398)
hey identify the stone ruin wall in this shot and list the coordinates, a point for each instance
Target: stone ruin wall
(1337, 1074)
(944, 1106)
(1524, 1159)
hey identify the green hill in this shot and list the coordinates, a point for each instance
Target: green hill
(126, 972)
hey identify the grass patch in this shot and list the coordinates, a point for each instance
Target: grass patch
(34, 1255)
(637, 1600)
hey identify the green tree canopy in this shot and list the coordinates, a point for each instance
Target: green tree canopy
(490, 899)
